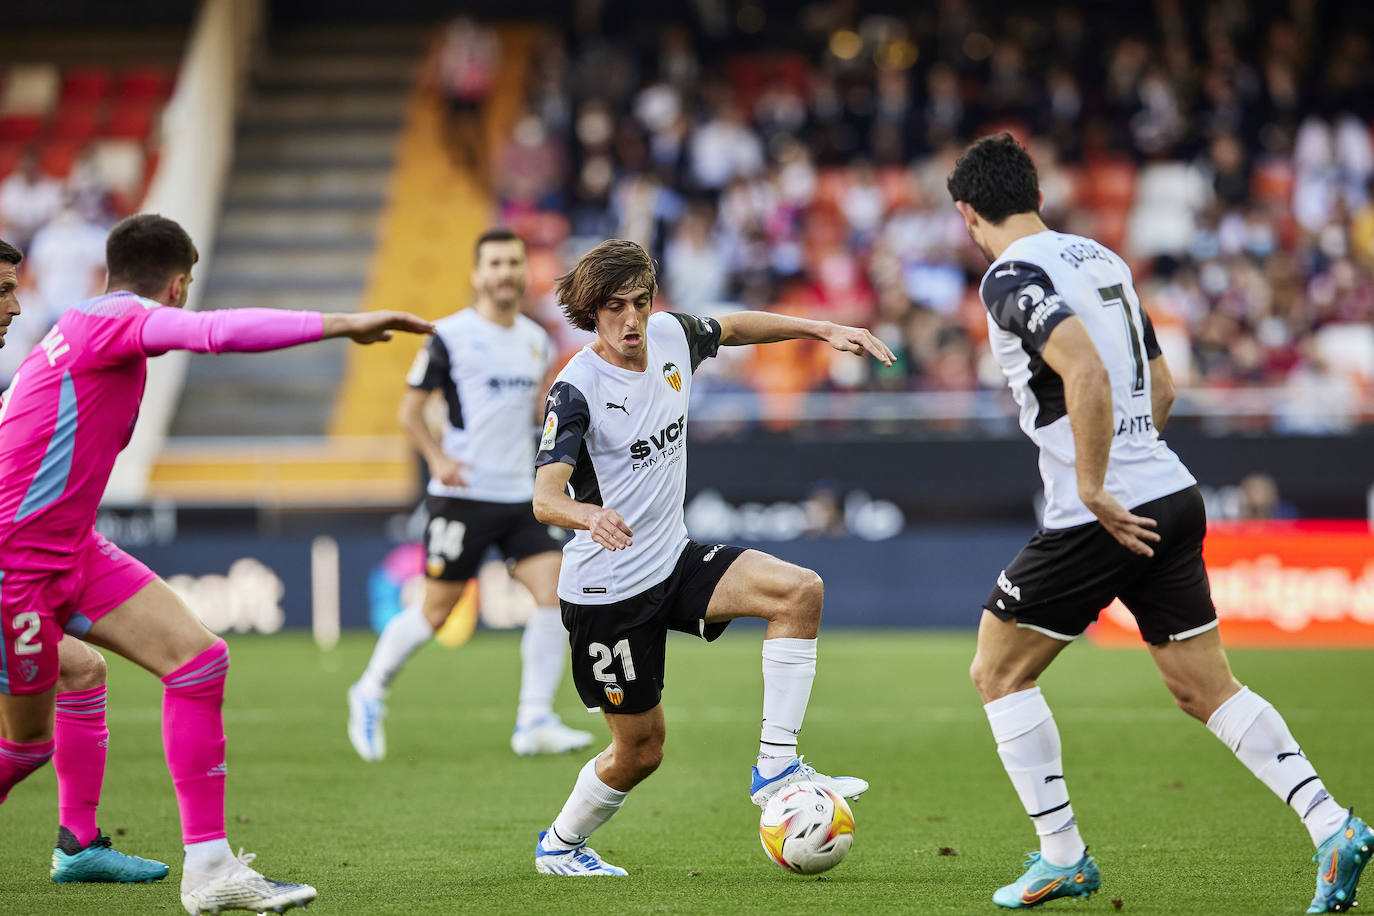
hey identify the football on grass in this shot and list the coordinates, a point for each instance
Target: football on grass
(806, 828)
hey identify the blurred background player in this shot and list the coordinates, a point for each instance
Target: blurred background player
(490, 362)
(69, 411)
(616, 430)
(1123, 518)
(81, 737)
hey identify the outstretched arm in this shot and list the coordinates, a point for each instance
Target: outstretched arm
(553, 506)
(259, 330)
(740, 328)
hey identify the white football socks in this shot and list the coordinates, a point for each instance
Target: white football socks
(789, 668)
(1257, 734)
(402, 635)
(543, 653)
(1028, 743)
(590, 805)
(207, 857)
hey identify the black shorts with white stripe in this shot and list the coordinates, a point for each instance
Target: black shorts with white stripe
(1063, 578)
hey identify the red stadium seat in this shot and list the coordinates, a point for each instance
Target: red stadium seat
(19, 128)
(131, 120)
(1110, 184)
(85, 84)
(144, 83)
(76, 121)
(10, 154)
(895, 180)
(58, 158)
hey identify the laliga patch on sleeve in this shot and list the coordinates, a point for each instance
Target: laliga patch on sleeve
(418, 368)
(550, 432)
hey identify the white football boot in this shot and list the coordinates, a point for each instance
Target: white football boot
(235, 886)
(365, 717)
(761, 790)
(580, 861)
(548, 735)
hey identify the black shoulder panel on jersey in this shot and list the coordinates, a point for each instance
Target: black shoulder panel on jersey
(1048, 389)
(433, 370)
(1151, 341)
(703, 336)
(566, 420)
(1022, 299)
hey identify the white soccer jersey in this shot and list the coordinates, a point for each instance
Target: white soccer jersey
(1039, 281)
(625, 434)
(491, 378)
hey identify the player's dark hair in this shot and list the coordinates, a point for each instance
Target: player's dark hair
(996, 177)
(499, 234)
(610, 267)
(10, 254)
(145, 251)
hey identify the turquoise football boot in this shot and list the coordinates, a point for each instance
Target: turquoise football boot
(1340, 859)
(1043, 882)
(72, 863)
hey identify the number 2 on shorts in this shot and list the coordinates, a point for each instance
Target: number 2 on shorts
(603, 655)
(24, 643)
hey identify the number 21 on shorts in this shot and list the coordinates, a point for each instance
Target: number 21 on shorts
(604, 656)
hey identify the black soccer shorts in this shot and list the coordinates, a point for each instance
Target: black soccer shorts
(460, 531)
(618, 648)
(1063, 578)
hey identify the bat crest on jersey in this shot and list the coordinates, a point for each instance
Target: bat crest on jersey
(672, 376)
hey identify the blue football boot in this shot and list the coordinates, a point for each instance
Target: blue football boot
(1340, 859)
(1043, 882)
(72, 863)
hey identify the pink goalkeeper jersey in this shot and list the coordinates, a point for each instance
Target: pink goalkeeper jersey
(73, 403)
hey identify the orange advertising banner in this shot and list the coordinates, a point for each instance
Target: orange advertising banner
(1299, 584)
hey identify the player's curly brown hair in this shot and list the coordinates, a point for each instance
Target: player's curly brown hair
(997, 178)
(612, 266)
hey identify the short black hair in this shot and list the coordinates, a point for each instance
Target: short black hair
(145, 251)
(499, 234)
(10, 254)
(997, 178)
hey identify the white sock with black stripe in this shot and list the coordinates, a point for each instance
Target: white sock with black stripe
(1028, 743)
(1257, 734)
(591, 804)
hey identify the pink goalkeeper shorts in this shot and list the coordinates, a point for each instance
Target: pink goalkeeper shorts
(37, 605)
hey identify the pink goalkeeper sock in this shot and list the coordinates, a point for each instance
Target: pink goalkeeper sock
(19, 760)
(82, 739)
(193, 739)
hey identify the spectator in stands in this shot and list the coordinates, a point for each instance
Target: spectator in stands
(468, 57)
(28, 199)
(695, 264)
(66, 263)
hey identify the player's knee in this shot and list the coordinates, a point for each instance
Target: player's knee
(806, 597)
(82, 671)
(994, 681)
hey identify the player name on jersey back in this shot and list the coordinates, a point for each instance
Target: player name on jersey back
(625, 435)
(1039, 281)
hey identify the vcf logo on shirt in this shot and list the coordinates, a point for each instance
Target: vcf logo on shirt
(646, 453)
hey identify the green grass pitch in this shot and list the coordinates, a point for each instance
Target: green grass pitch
(447, 823)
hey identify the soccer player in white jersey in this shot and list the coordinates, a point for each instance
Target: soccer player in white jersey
(489, 361)
(615, 434)
(80, 734)
(1123, 519)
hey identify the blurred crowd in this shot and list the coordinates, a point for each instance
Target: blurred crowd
(74, 158)
(794, 158)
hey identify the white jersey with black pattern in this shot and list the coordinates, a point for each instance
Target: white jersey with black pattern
(1038, 282)
(491, 378)
(625, 435)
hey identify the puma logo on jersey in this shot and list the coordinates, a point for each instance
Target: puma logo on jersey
(1005, 585)
(620, 407)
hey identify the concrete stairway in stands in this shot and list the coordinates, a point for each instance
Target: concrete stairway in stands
(312, 167)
